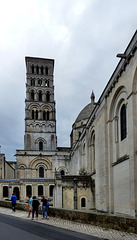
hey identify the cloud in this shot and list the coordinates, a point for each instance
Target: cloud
(82, 36)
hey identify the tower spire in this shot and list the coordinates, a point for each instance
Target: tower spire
(92, 97)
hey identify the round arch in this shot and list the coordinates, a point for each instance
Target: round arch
(120, 93)
(35, 162)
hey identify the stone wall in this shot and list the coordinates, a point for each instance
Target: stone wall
(99, 219)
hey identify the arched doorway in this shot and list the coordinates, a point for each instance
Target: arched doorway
(16, 192)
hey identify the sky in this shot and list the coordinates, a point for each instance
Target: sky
(83, 36)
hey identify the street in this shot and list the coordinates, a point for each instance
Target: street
(20, 229)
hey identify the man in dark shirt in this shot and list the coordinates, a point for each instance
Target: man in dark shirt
(35, 205)
(44, 205)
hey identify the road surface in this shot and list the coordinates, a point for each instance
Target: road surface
(20, 229)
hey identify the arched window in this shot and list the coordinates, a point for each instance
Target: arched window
(41, 69)
(40, 146)
(48, 97)
(47, 115)
(62, 172)
(36, 114)
(41, 172)
(28, 190)
(40, 190)
(37, 70)
(40, 95)
(32, 114)
(51, 190)
(17, 192)
(32, 82)
(47, 70)
(5, 191)
(123, 123)
(83, 202)
(32, 68)
(32, 95)
(39, 82)
(44, 115)
(46, 83)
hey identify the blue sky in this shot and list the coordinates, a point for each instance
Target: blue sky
(83, 36)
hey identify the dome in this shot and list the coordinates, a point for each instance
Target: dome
(85, 112)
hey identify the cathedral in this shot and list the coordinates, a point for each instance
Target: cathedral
(99, 170)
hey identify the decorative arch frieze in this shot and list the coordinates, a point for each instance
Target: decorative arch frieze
(34, 105)
(46, 106)
(62, 168)
(40, 161)
(40, 139)
(32, 89)
(23, 166)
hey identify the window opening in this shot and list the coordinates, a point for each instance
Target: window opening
(62, 172)
(40, 190)
(37, 69)
(28, 190)
(42, 70)
(47, 83)
(39, 82)
(36, 114)
(48, 97)
(32, 82)
(5, 191)
(32, 114)
(40, 146)
(32, 68)
(40, 95)
(41, 172)
(16, 192)
(123, 122)
(44, 115)
(51, 188)
(47, 115)
(83, 202)
(32, 95)
(46, 70)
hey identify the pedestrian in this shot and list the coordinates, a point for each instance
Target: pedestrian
(13, 201)
(44, 205)
(30, 205)
(35, 207)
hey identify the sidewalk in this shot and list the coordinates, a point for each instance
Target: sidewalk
(75, 226)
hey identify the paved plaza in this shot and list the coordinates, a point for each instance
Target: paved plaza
(75, 226)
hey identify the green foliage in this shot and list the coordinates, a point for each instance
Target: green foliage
(83, 172)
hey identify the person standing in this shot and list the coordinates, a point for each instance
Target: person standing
(30, 205)
(35, 207)
(44, 205)
(13, 201)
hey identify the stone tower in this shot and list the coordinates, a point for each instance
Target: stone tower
(40, 111)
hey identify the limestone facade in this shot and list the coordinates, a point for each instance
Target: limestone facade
(6, 170)
(107, 146)
(40, 158)
(99, 170)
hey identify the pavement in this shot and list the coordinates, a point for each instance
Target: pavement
(92, 230)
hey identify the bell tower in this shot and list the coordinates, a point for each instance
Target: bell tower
(40, 111)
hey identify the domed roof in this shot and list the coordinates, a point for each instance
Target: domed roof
(86, 112)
